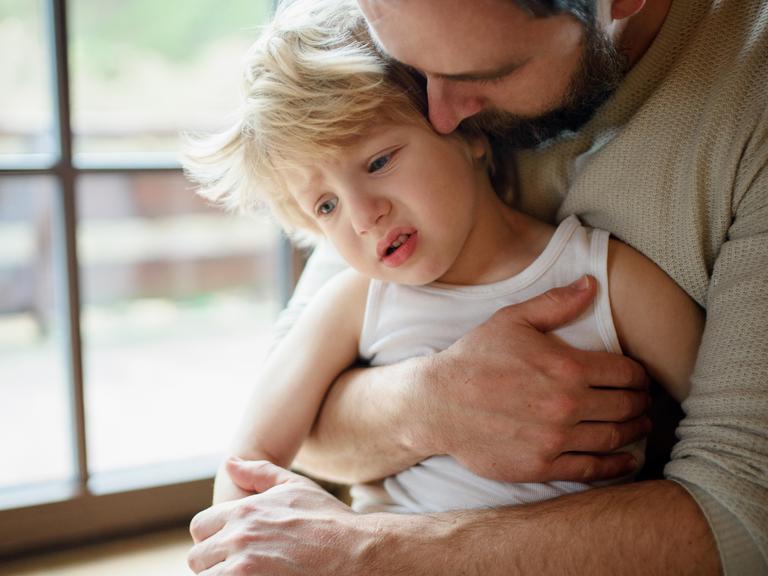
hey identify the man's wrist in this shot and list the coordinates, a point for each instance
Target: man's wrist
(416, 427)
(409, 543)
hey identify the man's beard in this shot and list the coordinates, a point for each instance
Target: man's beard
(600, 72)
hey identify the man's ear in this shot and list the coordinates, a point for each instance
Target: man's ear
(621, 9)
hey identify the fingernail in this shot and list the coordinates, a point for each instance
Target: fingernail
(581, 284)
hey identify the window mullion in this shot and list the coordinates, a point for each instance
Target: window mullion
(65, 234)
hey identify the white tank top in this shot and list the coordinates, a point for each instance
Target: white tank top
(406, 321)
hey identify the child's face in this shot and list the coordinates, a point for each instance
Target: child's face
(400, 204)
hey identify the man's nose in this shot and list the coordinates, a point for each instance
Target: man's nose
(450, 103)
(368, 211)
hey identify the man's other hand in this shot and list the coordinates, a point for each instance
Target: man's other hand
(288, 526)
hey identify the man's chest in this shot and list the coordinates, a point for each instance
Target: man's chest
(660, 195)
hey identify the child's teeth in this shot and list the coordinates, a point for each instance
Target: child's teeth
(400, 239)
(397, 243)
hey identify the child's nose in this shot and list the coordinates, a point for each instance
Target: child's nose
(368, 212)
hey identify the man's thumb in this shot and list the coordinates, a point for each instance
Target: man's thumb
(258, 475)
(558, 306)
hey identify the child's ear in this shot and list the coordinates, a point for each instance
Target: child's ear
(621, 9)
(478, 146)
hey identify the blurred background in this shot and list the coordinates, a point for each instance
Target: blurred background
(133, 316)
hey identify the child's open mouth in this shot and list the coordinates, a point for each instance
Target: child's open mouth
(397, 243)
(398, 246)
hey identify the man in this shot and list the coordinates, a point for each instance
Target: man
(644, 118)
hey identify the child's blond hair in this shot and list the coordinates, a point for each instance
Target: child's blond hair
(312, 83)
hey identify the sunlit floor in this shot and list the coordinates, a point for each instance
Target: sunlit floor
(157, 554)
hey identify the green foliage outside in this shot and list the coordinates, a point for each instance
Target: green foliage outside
(175, 29)
(104, 32)
(18, 8)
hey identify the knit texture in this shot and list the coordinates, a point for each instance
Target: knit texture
(676, 165)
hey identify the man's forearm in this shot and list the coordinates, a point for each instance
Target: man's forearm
(644, 528)
(364, 430)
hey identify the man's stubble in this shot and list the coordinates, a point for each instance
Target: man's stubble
(600, 72)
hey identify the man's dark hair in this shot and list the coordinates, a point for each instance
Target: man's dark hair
(583, 10)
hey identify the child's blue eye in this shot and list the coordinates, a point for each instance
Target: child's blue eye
(326, 206)
(379, 163)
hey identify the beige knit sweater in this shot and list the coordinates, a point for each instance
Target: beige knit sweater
(676, 165)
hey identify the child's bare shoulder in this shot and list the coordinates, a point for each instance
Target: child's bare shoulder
(348, 286)
(657, 323)
(341, 301)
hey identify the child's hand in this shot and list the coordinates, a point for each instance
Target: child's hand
(230, 493)
(225, 489)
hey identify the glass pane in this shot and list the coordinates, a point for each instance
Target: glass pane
(179, 299)
(26, 106)
(143, 70)
(34, 403)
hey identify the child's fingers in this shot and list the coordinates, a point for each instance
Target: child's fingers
(259, 475)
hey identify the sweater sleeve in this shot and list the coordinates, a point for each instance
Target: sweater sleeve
(722, 454)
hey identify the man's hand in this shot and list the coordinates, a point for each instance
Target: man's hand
(508, 400)
(292, 527)
(288, 526)
(513, 403)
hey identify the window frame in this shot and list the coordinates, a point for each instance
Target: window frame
(89, 506)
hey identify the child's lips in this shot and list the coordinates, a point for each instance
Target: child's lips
(395, 238)
(399, 255)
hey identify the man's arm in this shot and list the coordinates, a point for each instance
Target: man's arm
(631, 529)
(722, 453)
(606, 531)
(364, 429)
(535, 405)
(292, 525)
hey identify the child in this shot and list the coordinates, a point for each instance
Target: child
(334, 139)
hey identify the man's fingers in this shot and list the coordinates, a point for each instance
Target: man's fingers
(209, 521)
(557, 306)
(608, 370)
(589, 467)
(259, 475)
(206, 554)
(605, 436)
(234, 566)
(613, 405)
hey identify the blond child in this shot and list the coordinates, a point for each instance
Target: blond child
(333, 138)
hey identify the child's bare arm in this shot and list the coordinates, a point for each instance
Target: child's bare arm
(658, 324)
(293, 382)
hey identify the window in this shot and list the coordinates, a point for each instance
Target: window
(132, 314)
